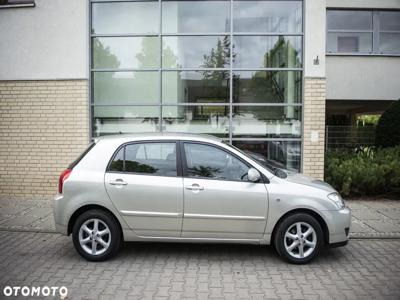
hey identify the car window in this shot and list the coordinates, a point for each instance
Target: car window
(204, 161)
(151, 158)
(117, 164)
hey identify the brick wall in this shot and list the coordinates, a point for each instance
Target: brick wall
(314, 127)
(43, 127)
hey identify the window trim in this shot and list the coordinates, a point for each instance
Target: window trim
(375, 31)
(177, 156)
(19, 4)
(182, 143)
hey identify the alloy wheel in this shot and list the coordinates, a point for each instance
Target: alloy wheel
(94, 237)
(300, 240)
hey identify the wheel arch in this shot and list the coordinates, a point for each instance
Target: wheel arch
(318, 217)
(88, 207)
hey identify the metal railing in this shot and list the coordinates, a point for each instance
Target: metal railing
(349, 137)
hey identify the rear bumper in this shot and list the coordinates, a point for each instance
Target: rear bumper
(58, 214)
(339, 222)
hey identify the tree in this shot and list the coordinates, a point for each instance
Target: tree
(219, 57)
(149, 54)
(103, 56)
(388, 128)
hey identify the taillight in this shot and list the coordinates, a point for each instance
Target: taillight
(64, 175)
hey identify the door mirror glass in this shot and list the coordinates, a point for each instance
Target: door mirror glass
(253, 175)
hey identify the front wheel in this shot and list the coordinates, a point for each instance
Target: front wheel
(299, 238)
(96, 235)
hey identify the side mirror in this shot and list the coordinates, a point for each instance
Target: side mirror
(253, 175)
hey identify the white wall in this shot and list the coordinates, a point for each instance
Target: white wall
(315, 24)
(48, 41)
(362, 77)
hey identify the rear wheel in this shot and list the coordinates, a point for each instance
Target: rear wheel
(96, 235)
(299, 238)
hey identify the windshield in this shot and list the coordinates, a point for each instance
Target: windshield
(262, 160)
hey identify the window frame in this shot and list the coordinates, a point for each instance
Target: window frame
(123, 146)
(375, 31)
(160, 126)
(18, 4)
(185, 174)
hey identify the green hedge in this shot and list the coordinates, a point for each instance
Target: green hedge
(364, 174)
(388, 128)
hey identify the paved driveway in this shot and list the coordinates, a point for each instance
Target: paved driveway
(365, 269)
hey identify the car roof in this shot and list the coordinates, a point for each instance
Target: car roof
(159, 136)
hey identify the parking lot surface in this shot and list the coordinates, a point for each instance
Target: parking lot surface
(364, 269)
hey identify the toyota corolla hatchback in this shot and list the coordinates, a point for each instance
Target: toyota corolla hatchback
(193, 188)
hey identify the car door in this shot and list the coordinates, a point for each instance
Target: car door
(145, 184)
(219, 201)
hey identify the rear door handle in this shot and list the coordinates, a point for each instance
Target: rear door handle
(194, 187)
(118, 182)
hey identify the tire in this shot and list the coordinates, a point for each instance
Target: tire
(298, 248)
(105, 241)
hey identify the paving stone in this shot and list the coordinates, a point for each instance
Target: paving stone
(391, 213)
(364, 269)
(367, 214)
(359, 227)
(19, 221)
(382, 226)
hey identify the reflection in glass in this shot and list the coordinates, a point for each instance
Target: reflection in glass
(267, 86)
(196, 119)
(389, 43)
(349, 20)
(195, 86)
(278, 154)
(117, 165)
(266, 121)
(349, 42)
(124, 119)
(125, 87)
(197, 51)
(126, 52)
(152, 158)
(195, 16)
(267, 16)
(268, 51)
(205, 161)
(389, 20)
(125, 17)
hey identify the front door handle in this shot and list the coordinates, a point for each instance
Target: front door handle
(118, 182)
(194, 187)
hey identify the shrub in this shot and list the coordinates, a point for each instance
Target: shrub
(365, 173)
(388, 128)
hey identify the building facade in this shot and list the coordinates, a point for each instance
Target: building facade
(266, 76)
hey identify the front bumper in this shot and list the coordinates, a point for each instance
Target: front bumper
(339, 222)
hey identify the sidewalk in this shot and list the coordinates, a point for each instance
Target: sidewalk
(371, 218)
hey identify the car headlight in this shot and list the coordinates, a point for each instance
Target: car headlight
(337, 199)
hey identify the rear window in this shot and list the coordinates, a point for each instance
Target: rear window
(76, 161)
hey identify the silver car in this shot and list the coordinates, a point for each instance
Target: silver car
(192, 188)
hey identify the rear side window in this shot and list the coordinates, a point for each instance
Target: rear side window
(146, 158)
(117, 165)
(76, 161)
